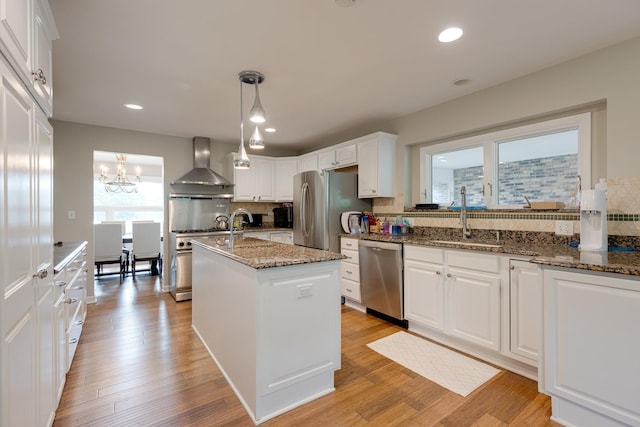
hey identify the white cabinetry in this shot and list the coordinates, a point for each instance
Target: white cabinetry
(26, 34)
(525, 310)
(350, 269)
(308, 162)
(591, 347)
(376, 165)
(286, 168)
(466, 301)
(255, 184)
(274, 236)
(424, 286)
(339, 157)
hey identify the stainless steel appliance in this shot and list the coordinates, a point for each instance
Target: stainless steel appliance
(381, 285)
(319, 199)
(283, 217)
(181, 256)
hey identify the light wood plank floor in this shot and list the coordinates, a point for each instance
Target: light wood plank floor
(139, 363)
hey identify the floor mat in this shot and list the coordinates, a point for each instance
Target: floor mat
(450, 369)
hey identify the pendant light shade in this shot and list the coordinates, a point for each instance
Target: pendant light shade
(256, 141)
(241, 160)
(257, 113)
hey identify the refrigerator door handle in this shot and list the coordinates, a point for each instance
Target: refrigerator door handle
(304, 198)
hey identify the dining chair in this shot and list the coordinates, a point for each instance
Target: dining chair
(107, 246)
(147, 246)
(126, 248)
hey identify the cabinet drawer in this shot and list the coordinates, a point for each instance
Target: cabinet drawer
(75, 329)
(351, 289)
(422, 253)
(474, 261)
(352, 256)
(350, 271)
(349, 244)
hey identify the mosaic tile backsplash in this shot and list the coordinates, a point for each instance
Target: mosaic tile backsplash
(623, 208)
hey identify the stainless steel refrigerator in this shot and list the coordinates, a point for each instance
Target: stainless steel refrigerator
(319, 198)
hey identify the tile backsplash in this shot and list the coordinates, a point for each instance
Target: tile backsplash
(623, 208)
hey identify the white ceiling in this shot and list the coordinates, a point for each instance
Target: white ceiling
(331, 71)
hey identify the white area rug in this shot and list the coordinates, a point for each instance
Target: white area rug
(451, 370)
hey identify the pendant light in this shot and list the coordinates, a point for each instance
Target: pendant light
(256, 141)
(257, 113)
(241, 160)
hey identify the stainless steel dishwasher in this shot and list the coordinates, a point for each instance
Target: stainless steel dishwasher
(381, 286)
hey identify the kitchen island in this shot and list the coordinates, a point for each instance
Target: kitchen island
(269, 315)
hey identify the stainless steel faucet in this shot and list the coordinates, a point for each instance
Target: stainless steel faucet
(466, 230)
(233, 215)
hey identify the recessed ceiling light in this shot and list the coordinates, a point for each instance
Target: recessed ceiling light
(461, 82)
(450, 34)
(133, 106)
(270, 130)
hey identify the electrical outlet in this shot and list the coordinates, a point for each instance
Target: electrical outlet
(564, 228)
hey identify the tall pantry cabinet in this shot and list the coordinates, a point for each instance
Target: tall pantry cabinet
(27, 356)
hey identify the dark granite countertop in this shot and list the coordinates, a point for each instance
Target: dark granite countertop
(258, 253)
(64, 252)
(540, 251)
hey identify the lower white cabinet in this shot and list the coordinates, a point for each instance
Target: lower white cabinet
(274, 236)
(457, 292)
(591, 346)
(525, 310)
(350, 275)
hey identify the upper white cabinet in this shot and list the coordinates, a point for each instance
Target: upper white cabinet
(308, 162)
(27, 30)
(286, 168)
(256, 184)
(338, 157)
(376, 165)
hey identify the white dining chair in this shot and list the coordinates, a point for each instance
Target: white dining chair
(126, 248)
(147, 246)
(107, 247)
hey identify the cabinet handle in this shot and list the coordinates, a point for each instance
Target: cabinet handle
(512, 267)
(60, 283)
(73, 269)
(38, 76)
(438, 273)
(373, 191)
(348, 244)
(73, 340)
(41, 274)
(80, 288)
(72, 300)
(449, 275)
(348, 272)
(348, 290)
(80, 322)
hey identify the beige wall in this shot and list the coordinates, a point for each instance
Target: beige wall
(609, 76)
(73, 171)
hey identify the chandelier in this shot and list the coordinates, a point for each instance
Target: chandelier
(120, 183)
(257, 115)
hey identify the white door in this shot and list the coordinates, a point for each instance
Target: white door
(424, 293)
(265, 179)
(285, 171)
(525, 303)
(473, 307)
(18, 327)
(368, 168)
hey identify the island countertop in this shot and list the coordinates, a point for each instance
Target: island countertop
(258, 253)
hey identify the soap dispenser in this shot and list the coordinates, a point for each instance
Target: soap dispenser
(593, 219)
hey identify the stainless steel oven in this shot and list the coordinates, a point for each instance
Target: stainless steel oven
(181, 256)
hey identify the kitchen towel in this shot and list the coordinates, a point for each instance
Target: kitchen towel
(451, 370)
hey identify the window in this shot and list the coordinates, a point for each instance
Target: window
(146, 204)
(543, 161)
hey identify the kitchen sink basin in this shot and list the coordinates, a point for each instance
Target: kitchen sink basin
(463, 243)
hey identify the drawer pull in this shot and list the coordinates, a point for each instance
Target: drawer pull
(438, 273)
(41, 274)
(73, 340)
(348, 272)
(73, 269)
(72, 300)
(60, 283)
(38, 76)
(348, 290)
(449, 275)
(80, 322)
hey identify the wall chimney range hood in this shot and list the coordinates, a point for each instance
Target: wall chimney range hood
(202, 174)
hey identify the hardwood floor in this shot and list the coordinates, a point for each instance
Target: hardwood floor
(139, 363)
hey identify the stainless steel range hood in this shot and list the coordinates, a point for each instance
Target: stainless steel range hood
(201, 174)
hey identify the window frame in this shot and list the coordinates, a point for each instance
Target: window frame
(490, 142)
